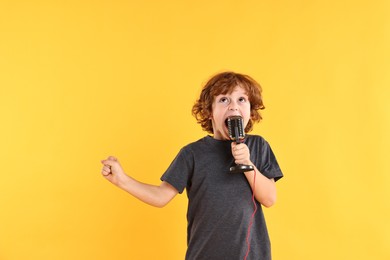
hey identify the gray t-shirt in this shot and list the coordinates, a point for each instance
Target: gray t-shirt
(220, 203)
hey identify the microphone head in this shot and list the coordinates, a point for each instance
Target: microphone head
(235, 128)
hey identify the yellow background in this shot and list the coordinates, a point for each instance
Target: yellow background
(81, 80)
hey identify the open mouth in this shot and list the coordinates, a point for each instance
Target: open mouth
(232, 118)
(233, 121)
(227, 122)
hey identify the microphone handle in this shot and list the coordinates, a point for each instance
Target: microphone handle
(240, 168)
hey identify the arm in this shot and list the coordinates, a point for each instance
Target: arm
(154, 195)
(265, 189)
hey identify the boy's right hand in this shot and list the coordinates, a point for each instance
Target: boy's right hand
(113, 171)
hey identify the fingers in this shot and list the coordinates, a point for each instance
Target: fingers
(106, 171)
(241, 153)
(239, 148)
(107, 164)
(110, 160)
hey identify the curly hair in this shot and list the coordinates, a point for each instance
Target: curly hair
(223, 83)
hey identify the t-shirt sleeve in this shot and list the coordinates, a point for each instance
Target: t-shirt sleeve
(180, 170)
(269, 165)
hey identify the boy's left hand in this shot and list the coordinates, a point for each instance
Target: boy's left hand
(241, 153)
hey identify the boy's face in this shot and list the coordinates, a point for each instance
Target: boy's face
(226, 105)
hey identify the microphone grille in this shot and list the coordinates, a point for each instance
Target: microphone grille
(235, 128)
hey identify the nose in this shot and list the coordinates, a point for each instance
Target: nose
(233, 106)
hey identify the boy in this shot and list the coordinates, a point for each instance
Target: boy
(220, 207)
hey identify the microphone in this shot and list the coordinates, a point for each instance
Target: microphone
(237, 134)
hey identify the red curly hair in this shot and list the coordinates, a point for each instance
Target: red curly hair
(223, 83)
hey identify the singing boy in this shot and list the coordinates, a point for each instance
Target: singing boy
(220, 206)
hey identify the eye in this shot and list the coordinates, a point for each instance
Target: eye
(242, 99)
(223, 100)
